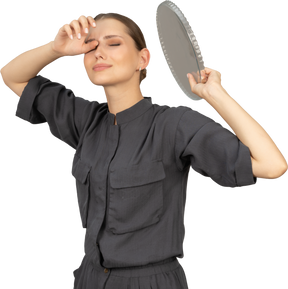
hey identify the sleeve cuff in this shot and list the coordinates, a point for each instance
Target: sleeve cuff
(243, 169)
(24, 105)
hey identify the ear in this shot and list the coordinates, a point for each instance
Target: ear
(144, 58)
(150, 57)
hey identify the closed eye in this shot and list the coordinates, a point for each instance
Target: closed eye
(93, 39)
(95, 47)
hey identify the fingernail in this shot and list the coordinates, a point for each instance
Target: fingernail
(94, 24)
(86, 30)
(188, 75)
(71, 36)
(79, 35)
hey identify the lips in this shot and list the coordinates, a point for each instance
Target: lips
(101, 65)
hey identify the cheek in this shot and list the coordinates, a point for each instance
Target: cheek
(120, 54)
(124, 59)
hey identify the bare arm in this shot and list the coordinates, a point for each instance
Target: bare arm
(268, 162)
(17, 70)
(27, 65)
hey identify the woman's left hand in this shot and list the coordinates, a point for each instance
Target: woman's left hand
(210, 82)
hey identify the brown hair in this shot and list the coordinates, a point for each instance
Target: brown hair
(132, 29)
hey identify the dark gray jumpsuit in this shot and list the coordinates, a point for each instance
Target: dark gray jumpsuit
(131, 180)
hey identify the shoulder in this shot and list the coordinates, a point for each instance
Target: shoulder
(181, 113)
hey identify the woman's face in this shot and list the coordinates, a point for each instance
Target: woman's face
(120, 52)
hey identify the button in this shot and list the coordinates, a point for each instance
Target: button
(106, 270)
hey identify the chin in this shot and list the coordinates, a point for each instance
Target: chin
(95, 84)
(100, 82)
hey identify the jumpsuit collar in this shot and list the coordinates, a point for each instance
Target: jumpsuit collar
(130, 113)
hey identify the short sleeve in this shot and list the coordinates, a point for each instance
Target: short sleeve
(45, 101)
(212, 151)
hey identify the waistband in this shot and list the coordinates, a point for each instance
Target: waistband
(145, 270)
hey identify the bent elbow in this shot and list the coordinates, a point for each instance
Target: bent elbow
(269, 170)
(278, 170)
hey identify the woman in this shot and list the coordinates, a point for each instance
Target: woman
(133, 157)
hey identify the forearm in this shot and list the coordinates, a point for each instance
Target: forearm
(267, 160)
(251, 113)
(28, 64)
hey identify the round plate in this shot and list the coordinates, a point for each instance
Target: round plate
(179, 46)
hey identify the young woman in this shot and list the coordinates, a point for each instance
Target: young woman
(133, 157)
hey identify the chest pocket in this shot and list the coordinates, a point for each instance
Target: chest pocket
(136, 197)
(80, 171)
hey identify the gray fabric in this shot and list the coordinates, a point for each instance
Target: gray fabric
(131, 178)
(167, 274)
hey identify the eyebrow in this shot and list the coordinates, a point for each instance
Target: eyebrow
(105, 37)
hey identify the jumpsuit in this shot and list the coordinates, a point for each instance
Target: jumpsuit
(131, 180)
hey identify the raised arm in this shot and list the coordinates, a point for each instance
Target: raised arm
(267, 156)
(27, 65)
(21, 69)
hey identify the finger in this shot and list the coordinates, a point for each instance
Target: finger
(68, 30)
(86, 22)
(91, 46)
(203, 74)
(199, 73)
(91, 21)
(192, 82)
(191, 79)
(76, 27)
(208, 71)
(196, 76)
(83, 23)
(89, 18)
(204, 79)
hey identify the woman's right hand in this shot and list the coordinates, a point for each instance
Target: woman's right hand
(64, 45)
